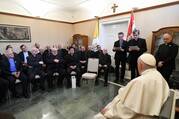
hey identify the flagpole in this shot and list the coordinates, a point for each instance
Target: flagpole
(97, 18)
(96, 31)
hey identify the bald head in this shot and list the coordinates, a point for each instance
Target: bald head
(54, 51)
(146, 61)
(34, 51)
(105, 51)
(167, 38)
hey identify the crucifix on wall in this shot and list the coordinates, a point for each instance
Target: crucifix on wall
(114, 7)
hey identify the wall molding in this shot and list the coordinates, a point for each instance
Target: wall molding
(92, 19)
(128, 12)
(36, 18)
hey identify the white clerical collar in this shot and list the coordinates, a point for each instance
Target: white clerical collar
(148, 70)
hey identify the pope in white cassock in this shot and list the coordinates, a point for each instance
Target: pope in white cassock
(141, 98)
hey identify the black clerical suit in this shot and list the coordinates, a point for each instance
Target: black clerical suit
(24, 65)
(104, 64)
(166, 53)
(36, 68)
(55, 67)
(46, 55)
(82, 56)
(133, 55)
(72, 60)
(92, 54)
(63, 52)
(120, 58)
(7, 74)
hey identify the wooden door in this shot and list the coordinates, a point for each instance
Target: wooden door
(80, 40)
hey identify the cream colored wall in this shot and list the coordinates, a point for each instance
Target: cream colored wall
(146, 21)
(85, 28)
(43, 32)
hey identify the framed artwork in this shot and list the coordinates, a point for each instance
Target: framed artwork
(14, 33)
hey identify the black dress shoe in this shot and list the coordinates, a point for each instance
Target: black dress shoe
(17, 96)
(42, 88)
(122, 80)
(78, 85)
(105, 84)
(3, 100)
(96, 83)
(34, 89)
(68, 86)
(116, 81)
(26, 96)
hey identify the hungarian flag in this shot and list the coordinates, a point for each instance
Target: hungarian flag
(131, 26)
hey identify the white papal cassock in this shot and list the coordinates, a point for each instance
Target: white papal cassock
(142, 98)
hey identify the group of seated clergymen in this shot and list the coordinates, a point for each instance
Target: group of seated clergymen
(37, 67)
(142, 98)
(27, 65)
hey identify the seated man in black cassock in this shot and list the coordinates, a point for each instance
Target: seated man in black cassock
(12, 71)
(35, 63)
(104, 64)
(55, 64)
(72, 66)
(99, 50)
(93, 52)
(82, 55)
(46, 54)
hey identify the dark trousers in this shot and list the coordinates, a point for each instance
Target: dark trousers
(166, 72)
(69, 70)
(51, 77)
(3, 88)
(123, 68)
(106, 71)
(83, 68)
(41, 80)
(134, 70)
(25, 84)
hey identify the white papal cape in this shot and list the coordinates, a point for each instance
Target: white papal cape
(142, 98)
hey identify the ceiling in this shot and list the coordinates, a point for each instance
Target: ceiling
(72, 10)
